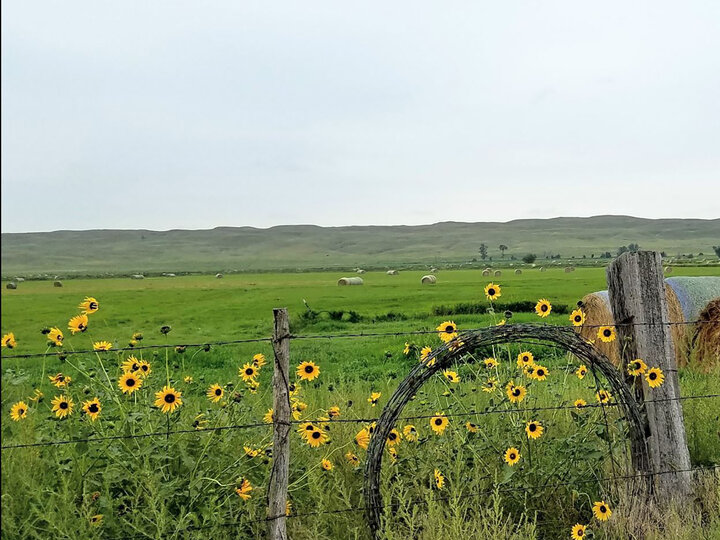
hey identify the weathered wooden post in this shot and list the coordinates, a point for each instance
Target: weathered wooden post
(637, 296)
(277, 491)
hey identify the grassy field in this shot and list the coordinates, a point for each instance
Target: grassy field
(158, 487)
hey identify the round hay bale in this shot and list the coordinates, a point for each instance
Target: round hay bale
(57, 283)
(392, 272)
(668, 269)
(542, 269)
(694, 293)
(11, 285)
(19, 279)
(572, 268)
(218, 276)
(350, 281)
(433, 270)
(568, 269)
(428, 280)
(167, 274)
(137, 276)
(360, 271)
(497, 273)
(706, 338)
(486, 272)
(518, 272)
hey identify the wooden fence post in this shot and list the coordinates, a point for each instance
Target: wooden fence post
(277, 491)
(637, 295)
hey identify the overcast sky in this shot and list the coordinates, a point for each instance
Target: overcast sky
(173, 114)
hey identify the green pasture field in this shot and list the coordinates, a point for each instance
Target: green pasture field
(163, 487)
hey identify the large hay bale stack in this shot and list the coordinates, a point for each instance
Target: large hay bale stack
(350, 281)
(497, 273)
(705, 341)
(518, 272)
(428, 280)
(11, 285)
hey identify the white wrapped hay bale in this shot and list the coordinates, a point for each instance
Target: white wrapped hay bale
(350, 281)
(428, 280)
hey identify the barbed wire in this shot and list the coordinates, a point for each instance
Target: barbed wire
(167, 433)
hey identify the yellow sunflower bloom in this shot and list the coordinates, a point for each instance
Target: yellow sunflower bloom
(259, 360)
(406, 350)
(602, 511)
(79, 323)
(636, 367)
(130, 364)
(654, 377)
(55, 336)
(577, 317)
(501, 323)
(603, 396)
(543, 307)
(512, 456)
(580, 403)
(394, 437)
(62, 406)
(334, 411)
(248, 372)
(451, 376)
(102, 346)
(92, 408)
(144, 369)
(317, 437)
(244, 490)
(472, 428)
(490, 363)
(410, 433)
(438, 423)
(352, 459)
(9, 341)
(490, 385)
(268, 417)
(447, 331)
(581, 372)
(129, 382)
(492, 291)
(534, 429)
(362, 438)
(326, 464)
(19, 411)
(96, 520)
(60, 380)
(539, 373)
(137, 336)
(606, 334)
(37, 395)
(424, 354)
(215, 393)
(89, 305)
(168, 399)
(188, 379)
(439, 479)
(525, 358)
(307, 371)
(374, 398)
(251, 452)
(578, 532)
(516, 393)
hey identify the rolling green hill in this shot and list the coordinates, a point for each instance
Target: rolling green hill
(301, 247)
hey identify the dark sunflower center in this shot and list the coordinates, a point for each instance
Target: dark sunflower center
(491, 292)
(544, 307)
(540, 372)
(93, 305)
(532, 427)
(438, 421)
(512, 456)
(249, 371)
(607, 333)
(526, 359)
(63, 405)
(580, 532)
(130, 382)
(309, 369)
(309, 428)
(473, 426)
(392, 436)
(93, 408)
(315, 435)
(82, 327)
(21, 411)
(169, 398)
(61, 378)
(134, 367)
(218, 391)
(144, 367)
(578, 318)
(449, 329)
(516, 392)
(653, 375)
(603, 509)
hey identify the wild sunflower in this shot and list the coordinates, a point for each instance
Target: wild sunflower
(55, 336)
(447, 331)
(352, 459)
(492, 291)
(248, 372)
(439, 479)
(215, 393)
(525, 358)
(581, 372)
(606, 334)
(200, 422)
(9, 341)
(137, 336)
(393, 453)
(424, 354)
(490, 385)
(394, 437)
(144, 369)
(472, 428)
(60, 380)
(268, 417)
(334, 411)
(516, 393)
(578, 532)
(62, 406)
(253, 386)
(251, 452)
(438, 423)
(577, 317)
(362, 438)
(636, 367)
(317, 437)
(102, 346)
(580, 403)
(259, 360)
(305, 429)
(129, 382)
(92, 408)
(96, 520)
(451, 376)
(188, 379)
(130, 364)
(168, 399)
(534, 429)
(501, 323)
(308, 371)
(603, 396)
(410, 433)
(132, 343)
(89, 305)
(78, 323)
(512, 456)
(19, 411)
(654, 377)
(37, 395)
(374, 398)
(406, 350)
(326, 464)
(543, 307)
(244, 490)
(540, 373)
(602, 510)
(490, 363)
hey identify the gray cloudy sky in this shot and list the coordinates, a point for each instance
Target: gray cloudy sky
(177, 114)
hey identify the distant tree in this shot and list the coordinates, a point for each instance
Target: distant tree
(584, 256)
(513, 258)
(503, 248)
(633, 248)
(716, 249)
(474, 259)
(663, 254)
(529, 258)
(592, 255)
(483, 251)
(606, 255)
(622, 249)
